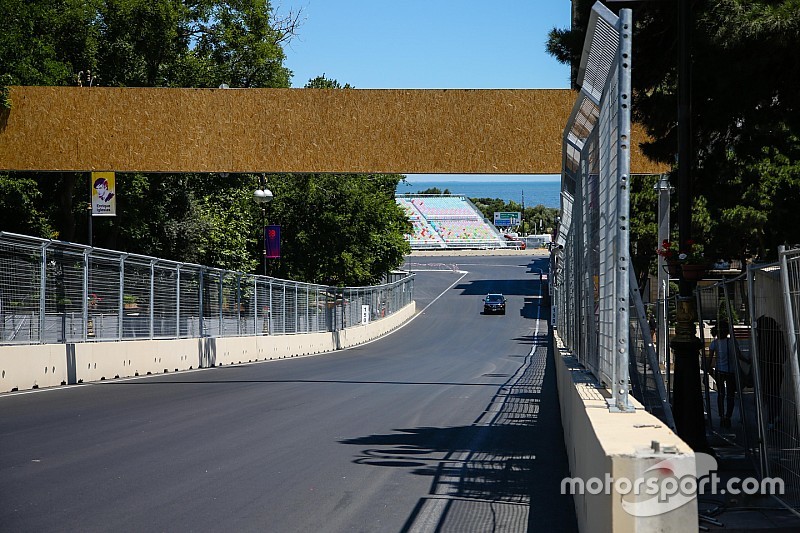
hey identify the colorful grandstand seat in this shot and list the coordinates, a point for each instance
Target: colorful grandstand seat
(448, 222)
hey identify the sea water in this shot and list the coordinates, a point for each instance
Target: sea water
(544, 192)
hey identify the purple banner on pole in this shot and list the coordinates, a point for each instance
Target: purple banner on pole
(272, 241)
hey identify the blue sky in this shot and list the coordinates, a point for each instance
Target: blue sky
(427, 44)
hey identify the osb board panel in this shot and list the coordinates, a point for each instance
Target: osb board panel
(289, 130)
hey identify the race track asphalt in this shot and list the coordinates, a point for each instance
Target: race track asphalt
(451, 423)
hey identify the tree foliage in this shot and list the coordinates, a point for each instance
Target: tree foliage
(338, 229)
(321, 82)
(745, 113)
(537, 218)
(434, 190)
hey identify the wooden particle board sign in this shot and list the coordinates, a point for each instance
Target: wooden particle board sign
(486, 131)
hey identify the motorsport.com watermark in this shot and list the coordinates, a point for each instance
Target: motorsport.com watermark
(670, 484)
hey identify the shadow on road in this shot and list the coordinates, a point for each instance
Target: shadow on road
(509, 287)
(539, 265)
(502, 472)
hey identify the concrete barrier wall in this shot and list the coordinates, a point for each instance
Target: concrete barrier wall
(49, 365)
(31, 367)
(361, 334)
(600, 443)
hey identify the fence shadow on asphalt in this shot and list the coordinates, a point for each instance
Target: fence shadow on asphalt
(502, 472)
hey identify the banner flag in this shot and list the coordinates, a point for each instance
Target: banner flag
(104, 201)
(272, 241)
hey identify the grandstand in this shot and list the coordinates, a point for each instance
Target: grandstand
(446, 222)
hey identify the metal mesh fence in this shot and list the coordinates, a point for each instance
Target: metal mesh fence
(56, 292)
(592, 257)
(775, 304)
(724, 317)
(756, 316)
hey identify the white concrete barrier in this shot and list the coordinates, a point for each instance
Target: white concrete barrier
(603, 445)
(32, 366)
(361, 334)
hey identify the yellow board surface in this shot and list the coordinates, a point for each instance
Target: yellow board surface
(487, 131)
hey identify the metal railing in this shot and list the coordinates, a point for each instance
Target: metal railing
(592, 255)
(647, 375)
(56, 292)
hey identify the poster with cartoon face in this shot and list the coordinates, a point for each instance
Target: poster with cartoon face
(104, 202)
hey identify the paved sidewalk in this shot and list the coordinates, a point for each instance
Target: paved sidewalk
(740, 512)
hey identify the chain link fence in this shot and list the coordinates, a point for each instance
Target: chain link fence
(58, 292)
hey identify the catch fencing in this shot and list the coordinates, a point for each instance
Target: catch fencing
(59, 292)
(592, 258)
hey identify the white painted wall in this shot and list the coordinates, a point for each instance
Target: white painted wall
(600, 442)
(49, 365)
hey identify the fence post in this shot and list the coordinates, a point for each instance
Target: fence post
(238, 303)
(85, 290)
(790, 320)
(621, 371)
(582, 276)
(120, 307)
(43, 292)
(220, 302)
(201, 289)
(255, 307)
(269, 311)
(178, 301)
(756, 366)
(151, 312)
(704, 365)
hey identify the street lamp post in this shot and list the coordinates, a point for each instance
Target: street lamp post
(263, 196)
(687, 403)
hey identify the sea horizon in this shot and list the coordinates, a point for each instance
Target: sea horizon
(546, 192)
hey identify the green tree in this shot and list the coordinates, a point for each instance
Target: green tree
(434, 190)
(321, 82)
(532, 215)
(488, 206)
(338, 229)
(19, 207)
(46, 42)
(745, 140)
(240, 43)
(543, 218)
(175, 43)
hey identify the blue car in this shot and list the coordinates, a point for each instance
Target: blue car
(494, 303)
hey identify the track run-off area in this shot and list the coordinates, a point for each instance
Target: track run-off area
(450, 423)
